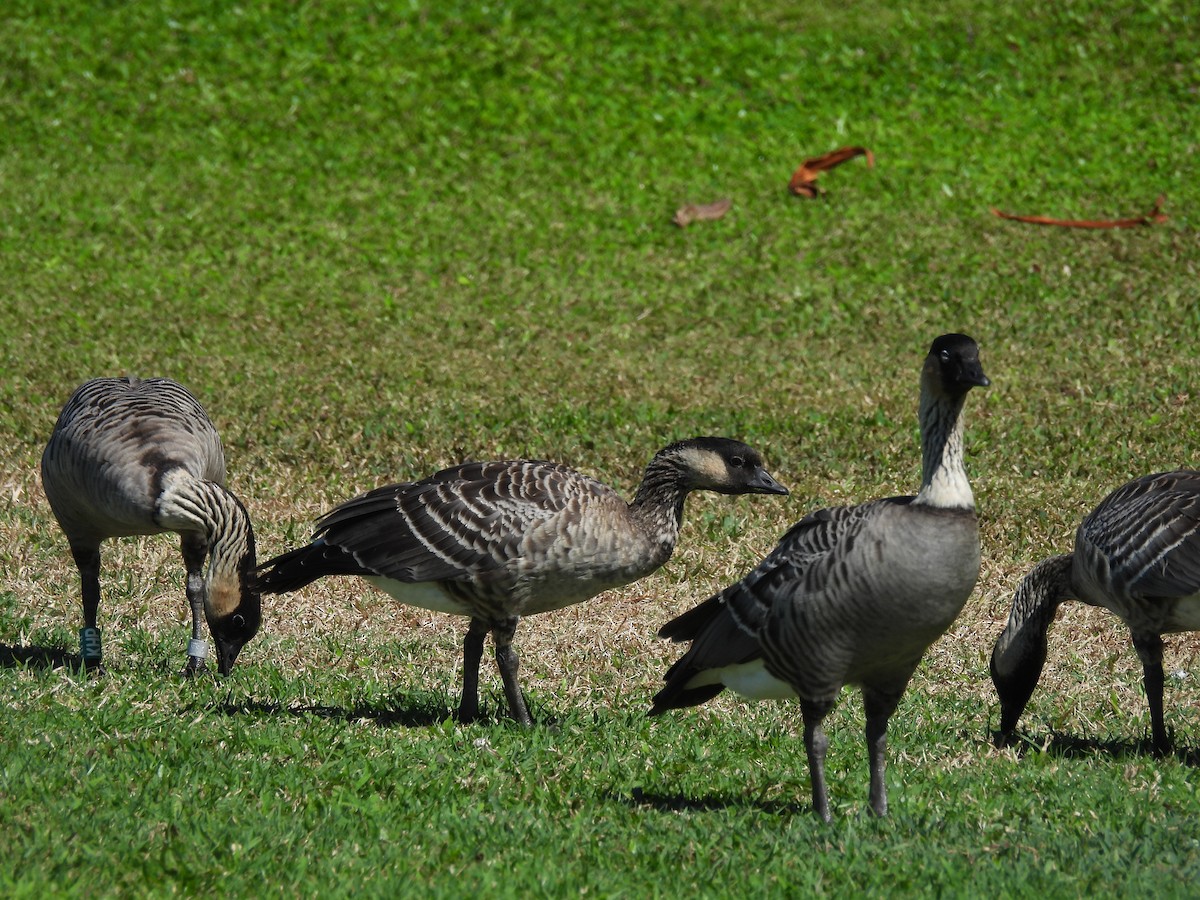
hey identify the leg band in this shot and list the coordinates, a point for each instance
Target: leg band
(197, 648)
(89, 644)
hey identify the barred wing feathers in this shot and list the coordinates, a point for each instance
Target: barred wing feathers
(467, 522)
(798, 580)
(1148, 532)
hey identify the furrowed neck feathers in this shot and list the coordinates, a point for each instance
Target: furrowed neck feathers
(943, 479)
(1035, 603)
(658, 503)
(190, 504)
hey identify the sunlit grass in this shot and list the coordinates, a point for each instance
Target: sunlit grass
(376, 240)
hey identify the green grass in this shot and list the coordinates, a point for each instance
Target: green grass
(379, 238)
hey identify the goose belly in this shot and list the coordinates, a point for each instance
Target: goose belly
(1185, 616)
(577, 567)
(422, 594)
(120, 496)
(548, 595)
(1150, 615)
(750, 680)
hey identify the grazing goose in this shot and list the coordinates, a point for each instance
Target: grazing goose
(1138, 556)
(142, 457)
(851, 595)
(496, 541)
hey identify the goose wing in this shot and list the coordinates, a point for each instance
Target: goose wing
(727, 628)
(466, 521)
(1149, 532)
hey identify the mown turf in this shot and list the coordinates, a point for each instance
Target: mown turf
(375, 239)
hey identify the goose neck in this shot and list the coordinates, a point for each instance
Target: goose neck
(944, 480)
(232, 538)
(660, 497)
(1035, 603)
(190, 504)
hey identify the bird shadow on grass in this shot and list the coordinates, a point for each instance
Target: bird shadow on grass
(1067, 746)
(416, 713)
(36, 657)
(420, 711)
(663, 802)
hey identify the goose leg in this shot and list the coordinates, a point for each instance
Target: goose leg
(1150, 651)
(816, 743)
(87, 560)
(879, 706)
(508, 663)
(194, 550)
(468, 706)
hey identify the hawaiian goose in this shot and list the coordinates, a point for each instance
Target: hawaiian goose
(496, 541)
(851, 595)
(1138, 556)
(142, 457)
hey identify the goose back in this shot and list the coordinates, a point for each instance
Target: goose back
(117, 444)
(1138, 553)
(503, 538)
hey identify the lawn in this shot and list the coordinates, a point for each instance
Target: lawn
(376, 239)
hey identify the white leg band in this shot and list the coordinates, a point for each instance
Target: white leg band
(197, 648)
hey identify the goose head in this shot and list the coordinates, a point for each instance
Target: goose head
(1015, 671)
(719, 464)
(1020, 651)
(952, 367)
(233, 608)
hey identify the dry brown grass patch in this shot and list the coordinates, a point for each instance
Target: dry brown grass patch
(606, 650)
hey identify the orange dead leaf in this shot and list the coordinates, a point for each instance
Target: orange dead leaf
(804, 179)
(1155, 215)
(701, 212)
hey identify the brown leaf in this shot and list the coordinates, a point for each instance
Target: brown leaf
(1155, 215)
(804, 179)
(701, 212)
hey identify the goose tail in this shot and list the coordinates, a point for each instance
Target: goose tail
(677, 694)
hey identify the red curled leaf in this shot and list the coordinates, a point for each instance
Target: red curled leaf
(701, 212)
(1155, 215)
(804, 179)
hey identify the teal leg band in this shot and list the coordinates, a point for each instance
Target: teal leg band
(89, 644)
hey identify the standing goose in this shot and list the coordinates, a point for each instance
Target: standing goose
(132, 456)
(496, 541)
(1138, 556)
(852, 594)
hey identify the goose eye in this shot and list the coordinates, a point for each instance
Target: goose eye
(945, 356)
(239, 622)
(737, 462)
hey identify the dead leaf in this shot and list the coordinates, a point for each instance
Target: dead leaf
(701, 212)
(804, 179)
(1155, 215)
